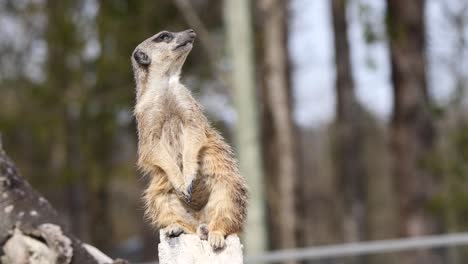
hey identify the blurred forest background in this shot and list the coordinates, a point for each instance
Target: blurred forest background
(348, 117)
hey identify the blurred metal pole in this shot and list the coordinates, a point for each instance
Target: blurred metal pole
(361, 248)
(237, 15)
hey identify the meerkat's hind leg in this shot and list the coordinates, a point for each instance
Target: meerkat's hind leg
(202, 231)
(166, 211)
(223, 218)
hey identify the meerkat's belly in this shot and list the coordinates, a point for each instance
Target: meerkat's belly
(172, 133)
(200, 194)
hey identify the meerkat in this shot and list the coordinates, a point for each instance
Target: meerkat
(195, 184)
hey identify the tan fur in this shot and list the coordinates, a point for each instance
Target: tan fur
(180, 151)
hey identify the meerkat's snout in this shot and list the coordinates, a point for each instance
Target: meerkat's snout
(185, 38)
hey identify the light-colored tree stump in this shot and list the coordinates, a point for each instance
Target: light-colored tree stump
(190, 249)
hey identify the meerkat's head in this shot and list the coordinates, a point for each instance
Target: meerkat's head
(162, 55)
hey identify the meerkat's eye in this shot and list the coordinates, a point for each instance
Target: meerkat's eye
(166, 37)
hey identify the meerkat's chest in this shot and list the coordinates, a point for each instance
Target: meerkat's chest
(172, 129)
(171, 133)
(163, 119)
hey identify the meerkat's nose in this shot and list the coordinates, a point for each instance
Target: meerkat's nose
(185, 37)
(191, 33)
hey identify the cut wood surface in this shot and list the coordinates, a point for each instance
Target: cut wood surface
(190, 249)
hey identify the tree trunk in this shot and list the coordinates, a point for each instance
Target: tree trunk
(31, 230)
(240, 45)
(321, 217)
(381, 201)
(62, 40)
(279, 132)
(349, 142)
(412, 128)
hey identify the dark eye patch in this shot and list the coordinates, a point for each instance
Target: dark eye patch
(142, 58)
(163, 37)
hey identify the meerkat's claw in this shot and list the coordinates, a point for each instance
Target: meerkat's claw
(174, 230)
(187, 193)
(189, 190)
(187, 197)
(202, 231)
(216, 240)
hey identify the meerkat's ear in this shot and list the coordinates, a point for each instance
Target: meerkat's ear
(142, 58)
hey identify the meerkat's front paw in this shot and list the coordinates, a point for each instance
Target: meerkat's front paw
(185, 192)
(216, 240)
(188, 191)
(202, 231)
(174, 230)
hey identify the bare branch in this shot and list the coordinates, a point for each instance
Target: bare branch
(194, 21)
(212, 52)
